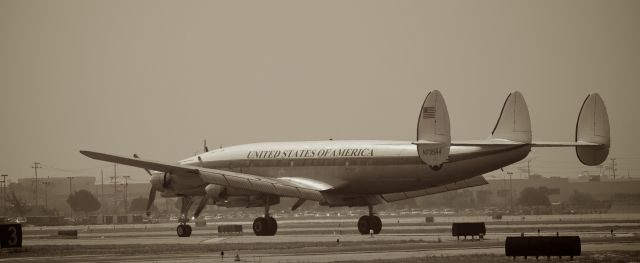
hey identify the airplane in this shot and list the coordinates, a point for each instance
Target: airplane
(360, 173)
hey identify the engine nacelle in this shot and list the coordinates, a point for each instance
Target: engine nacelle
(249, 201)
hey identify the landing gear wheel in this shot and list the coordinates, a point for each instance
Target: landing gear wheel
(260, 226)
(273, 226)
(367, 223)
(376, 224)
(184, 230)
(364, 224)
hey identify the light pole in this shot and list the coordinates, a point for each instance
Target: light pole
(126, 183)
(70, 192)
(4, 192)
(46, 186)
(35, 167)
(510, 191)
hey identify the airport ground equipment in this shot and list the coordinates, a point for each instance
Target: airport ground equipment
(542, 246)
(468, 229)
(10, 235)
(201, 223)
(68, 233)
(429, 219)
(496, 217)
(229, 229)
(359, 173)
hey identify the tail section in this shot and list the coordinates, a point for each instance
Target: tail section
(514, 123)
(593, 128)
(433, 134)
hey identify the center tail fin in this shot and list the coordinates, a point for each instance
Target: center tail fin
(514, 123)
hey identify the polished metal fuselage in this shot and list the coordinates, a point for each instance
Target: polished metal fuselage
(358, 167)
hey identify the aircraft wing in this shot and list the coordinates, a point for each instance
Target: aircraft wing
(471, 182)
(286, 187)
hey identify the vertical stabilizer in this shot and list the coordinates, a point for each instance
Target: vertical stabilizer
(593, 127)
(433, 134)
(514, 123)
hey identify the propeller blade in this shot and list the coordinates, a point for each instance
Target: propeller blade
(135, 155)
(212, 192)
(152, 198)
(201, 206)
(206, 149)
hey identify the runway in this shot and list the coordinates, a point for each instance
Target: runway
(310, 241)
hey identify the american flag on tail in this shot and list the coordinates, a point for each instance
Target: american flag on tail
(428, 112)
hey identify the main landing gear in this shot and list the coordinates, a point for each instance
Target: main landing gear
(184, 230)
(369, 222)
(267, 225)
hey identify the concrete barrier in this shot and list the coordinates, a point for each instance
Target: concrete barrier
(468, 229)
(540, 246)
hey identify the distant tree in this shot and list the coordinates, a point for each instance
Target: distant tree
(483, 197)
(18, 206)
(83, 201)
(581, 199)
(534, 197)
(139, 204)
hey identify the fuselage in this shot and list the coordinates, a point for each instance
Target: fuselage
(358, 167)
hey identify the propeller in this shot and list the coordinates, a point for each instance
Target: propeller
(206, 149)
(212, 192)
(152, 192)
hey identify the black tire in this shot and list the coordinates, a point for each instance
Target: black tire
(364, 224)
(260, 226)
(376, 224)
(181, 230)
(273, 226)
(188, 227)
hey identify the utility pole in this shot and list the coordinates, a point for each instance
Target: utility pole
(70, 188)
(101, 191)
(126, 183)
(35, 167)
(613, 168)
(4, 192)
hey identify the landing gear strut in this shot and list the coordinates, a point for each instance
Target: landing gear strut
(267, 225)
(184, 230)
(369, 222)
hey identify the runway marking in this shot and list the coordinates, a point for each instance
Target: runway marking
(213, 240)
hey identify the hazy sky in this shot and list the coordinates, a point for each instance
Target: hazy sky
(157, 77)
